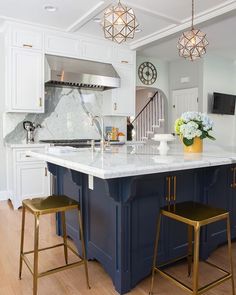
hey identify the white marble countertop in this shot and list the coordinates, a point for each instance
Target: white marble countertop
(134, 160)
(26, 145)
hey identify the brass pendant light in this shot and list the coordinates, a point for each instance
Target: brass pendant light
(119, 23)
(192, 44)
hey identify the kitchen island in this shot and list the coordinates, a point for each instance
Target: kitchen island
(121, 191)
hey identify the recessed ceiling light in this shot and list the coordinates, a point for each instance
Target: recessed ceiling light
(50, 8)
(97, 19)
(138, 30)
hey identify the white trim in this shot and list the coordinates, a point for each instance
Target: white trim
(216, 11)
(150, 12)
(84, 19)
(4, 195)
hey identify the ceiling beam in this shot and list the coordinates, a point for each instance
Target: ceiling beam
(90, 14)
(154, 13)
(230, 6)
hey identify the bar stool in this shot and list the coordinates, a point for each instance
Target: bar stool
(195, 215)
(41, 206)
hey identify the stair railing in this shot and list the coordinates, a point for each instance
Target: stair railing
(149, 118)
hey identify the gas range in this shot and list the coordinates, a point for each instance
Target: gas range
(79, 143)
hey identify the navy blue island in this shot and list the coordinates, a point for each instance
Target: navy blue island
(121, 192)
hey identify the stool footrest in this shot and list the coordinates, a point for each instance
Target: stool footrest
(201, 290)
(53, 270)
(46, 248)
(60, 268)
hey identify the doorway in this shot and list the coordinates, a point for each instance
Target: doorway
(184, 100)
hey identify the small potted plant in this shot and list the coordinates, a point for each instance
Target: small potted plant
(193, 127)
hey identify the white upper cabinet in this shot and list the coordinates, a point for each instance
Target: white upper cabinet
(26, 81)
(121, 101)
(27, 39)
(97, 51)
(24, 70)
(65, 46)
(26, 47)
(124, 56)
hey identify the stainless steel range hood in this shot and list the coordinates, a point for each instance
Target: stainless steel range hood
(72, 72)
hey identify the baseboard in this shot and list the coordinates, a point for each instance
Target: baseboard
(4, 195)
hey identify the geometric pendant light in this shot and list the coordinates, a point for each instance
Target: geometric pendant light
(192, 44)
(119, 23)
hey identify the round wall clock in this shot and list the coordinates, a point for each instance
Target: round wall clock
(147, 73)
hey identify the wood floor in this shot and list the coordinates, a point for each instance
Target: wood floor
(72, 282)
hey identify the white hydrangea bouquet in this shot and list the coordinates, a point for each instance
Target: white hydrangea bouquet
(193, 124)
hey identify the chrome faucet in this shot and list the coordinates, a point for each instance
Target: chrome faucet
(101, 131)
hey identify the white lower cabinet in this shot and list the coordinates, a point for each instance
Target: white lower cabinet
(27, 177)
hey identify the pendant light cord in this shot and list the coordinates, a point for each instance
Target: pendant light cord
(192, 12)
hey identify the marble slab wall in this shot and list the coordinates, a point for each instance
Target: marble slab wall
(67, 116)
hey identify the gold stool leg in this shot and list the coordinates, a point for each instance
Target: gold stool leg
(196, 258)
(36, 247)
(63, 216)
(155, 254)
(22, 240)
(83, 248)
(190, 249)
(230, 254)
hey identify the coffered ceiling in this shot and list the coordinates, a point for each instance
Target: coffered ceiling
(158, 18)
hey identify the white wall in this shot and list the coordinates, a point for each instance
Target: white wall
(162, 81)
(219, 75)
(3, 184)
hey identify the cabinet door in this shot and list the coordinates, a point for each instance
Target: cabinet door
(27, 81)
(32, 180)
(63, 46)
(217, 194)
(123, 98)
(187, 189)
(149, 198)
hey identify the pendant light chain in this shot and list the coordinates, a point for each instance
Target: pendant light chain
(192, 12)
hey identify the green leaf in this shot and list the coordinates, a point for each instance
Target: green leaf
(187, 142)
(210, 137)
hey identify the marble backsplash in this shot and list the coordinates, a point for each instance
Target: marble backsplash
(66, 117)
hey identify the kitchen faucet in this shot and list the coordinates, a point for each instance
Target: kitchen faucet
(101, 123)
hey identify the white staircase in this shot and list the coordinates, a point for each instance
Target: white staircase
(150, 119)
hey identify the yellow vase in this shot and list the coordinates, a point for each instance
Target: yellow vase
(196, 147)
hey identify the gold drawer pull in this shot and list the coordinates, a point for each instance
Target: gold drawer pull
(27, 156)
(124, 62)
(27, 45)
(40, 102)
(174, 188)
(233, 184)
(168, 196)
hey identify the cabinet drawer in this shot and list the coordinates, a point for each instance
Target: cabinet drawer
(21, 155)
(123, 56)
(27, 39)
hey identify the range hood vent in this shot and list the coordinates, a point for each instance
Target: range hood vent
(72, 72)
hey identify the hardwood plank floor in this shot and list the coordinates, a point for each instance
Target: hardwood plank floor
(72, 282)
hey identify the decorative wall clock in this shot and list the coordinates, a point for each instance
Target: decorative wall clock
(147, 73)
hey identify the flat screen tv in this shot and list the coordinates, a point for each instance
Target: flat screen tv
(223, 103)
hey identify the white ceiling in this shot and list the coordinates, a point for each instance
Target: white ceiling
(158, 19)
(220, 35)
